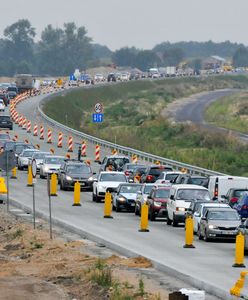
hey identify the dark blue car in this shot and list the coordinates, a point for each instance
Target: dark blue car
(242, 206)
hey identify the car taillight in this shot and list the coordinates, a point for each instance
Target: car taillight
(149, 177)
(163, 181)
(234, 200)
(126, 173)
(244, 207)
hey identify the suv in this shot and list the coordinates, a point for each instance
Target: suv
(114, 163)
(111, 77)
(5, 122)
(152, 173)
(157, 202)
(71, 172)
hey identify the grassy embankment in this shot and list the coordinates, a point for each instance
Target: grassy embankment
(133, 116)
(230, 112)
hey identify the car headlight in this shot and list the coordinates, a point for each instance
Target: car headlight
(210, 226)
(156, 203)
(68, 178)
(122, 199)
(103, 188)
(91, 178)
(46, 169)
(181, 208)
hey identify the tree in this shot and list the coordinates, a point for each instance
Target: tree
(172, 57)
(125, 57)
(146, 59)
(240, 57)
(196, 64)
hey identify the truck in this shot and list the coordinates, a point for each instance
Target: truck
(170, 71)
(218, 186)
(24, 82)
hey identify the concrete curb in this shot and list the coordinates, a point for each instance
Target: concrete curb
(209, 288)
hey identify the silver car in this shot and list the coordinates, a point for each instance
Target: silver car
(24, 158)
(141, 197)
(219, 223)
(39, 158)
(51, 164)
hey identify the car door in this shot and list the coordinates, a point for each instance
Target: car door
(171, 203)
(197, 217)
(61, 172)
(115, 196)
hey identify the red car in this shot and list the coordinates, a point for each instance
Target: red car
(157, 202)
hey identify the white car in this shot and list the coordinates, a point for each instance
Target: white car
(180, 199)
(51, 164)
(39, 158)
(107, 181)
(2, 105)
(99, 78)
(24, 158)
(166, 177)
(125, 77)
(201, 211)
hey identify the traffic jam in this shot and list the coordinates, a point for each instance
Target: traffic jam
(218, 205)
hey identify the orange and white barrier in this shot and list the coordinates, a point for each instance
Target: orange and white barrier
(41, 132)
(114, 152)
(16, 117)
(15, 139)
(24, 123)
(70, 144)
(35, 130)
(134, 159)
(83, 149)
(60, 140)
(29, 126)
(49, 136)
(97, 153)
(20, 121)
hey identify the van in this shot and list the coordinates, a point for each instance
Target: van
(180, 199)
(218, 186)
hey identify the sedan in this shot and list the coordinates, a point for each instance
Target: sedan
(219, 223)
(24, 158)
(51, 164)
(39, 158)
(141, 197)
(5, 122)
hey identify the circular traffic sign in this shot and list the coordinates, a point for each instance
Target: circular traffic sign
(34, 168)
(98, 108)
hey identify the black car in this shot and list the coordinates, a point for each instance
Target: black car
(152, 173)
(75, 171)
(111, 77)
(191, 179)
(6, 122)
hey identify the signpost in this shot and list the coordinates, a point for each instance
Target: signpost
(34, 172)
(50, 205)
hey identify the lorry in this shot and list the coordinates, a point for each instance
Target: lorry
(24, 82)
(218, 186)
(170, 71)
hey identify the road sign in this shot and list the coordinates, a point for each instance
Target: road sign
(98, 108)
(97, 118)
(34, 168)
(7, 163)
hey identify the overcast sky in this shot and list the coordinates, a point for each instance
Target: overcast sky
(140, 23)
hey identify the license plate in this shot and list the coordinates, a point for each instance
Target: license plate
(82, 183)
(132, 204)
(229, 232)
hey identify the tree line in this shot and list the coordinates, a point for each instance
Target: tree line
(59, 51)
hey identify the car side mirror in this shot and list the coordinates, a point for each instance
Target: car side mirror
(196, 214)
(99, 162)
(62, 171)
(172, 197)
(224, 196)
(204, 218)
(94, 173)
(139, 192)
(149, 197)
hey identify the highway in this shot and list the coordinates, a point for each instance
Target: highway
(208, 266)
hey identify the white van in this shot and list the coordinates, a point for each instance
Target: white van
(218, 186)
(180, 198)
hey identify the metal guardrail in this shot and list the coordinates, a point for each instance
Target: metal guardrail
(126, 150)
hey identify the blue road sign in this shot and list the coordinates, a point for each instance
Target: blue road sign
(97, 118)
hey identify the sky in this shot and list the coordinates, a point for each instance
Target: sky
(139, 23)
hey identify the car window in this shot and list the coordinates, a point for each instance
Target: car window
(161, 176)
(39, 155)
(223, 215)
(148, 189)
(113, 177)
(162, 193)
(78, 169)
(189, 194)
(130, 189)
(28, 153)
(54, 160)
(197, 181)
(239, 193)
(4, 136)
(171, 176)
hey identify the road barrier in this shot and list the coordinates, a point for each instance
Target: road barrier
(134, 159)
(239, 251)
(68, 155)
(41, 132)
(70, 144)
(37, 146)
(144, 218)
(83, 149)
(29, 127)
(189, 232)
(3, 188)
(35, 130)
(30, 177)
(60, 140)
(52, 151)
(20, 121)
(26, 141)
(77, 192)
(108, 206)
(53, 185)
(239, 285)
(15, 138)
(114, 152)
(13, 175)
(24, 122)
(97, 153)
(49, 136)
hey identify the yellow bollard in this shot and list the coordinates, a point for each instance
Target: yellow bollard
(189, 232)
(77, 190)
(30, 177)
(239, 251)
(3, 188)
(239, 285)
(53, 185)
(108, 206)
(13, 176)
(144, 218)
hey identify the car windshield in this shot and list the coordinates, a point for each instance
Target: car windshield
(4, 136)
(113, 177)
(197, 181)
(170, 176)
(4, 118)
(19, 148)
(239, 193)
(54, 160)
(40, 155)
(148, 189)
(28, 153)
(78, 169)
(223, 215)
(130, 188)
(190, 194)
(162, 193)
(9, 146)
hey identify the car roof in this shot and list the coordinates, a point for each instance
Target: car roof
(112, 172)
(189, 187)
(24, 150)
(117, 156)
(55, 156)
(130, 183)
(221, 209)
(213, 204)
(172, 172)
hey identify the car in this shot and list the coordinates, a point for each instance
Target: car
(114, 163)
(137, 173)
(39, 158)
(72, 171)
(141, 197)
(130, 168)
(157, 202)
(200, 209)
(4, 136)
(152, 173)
(191, 179)
(2, 105)
(219, 223)
(244, 230)
(242, 206)
(107, 181)
(167, 176)
(124, 197)
(24, 158)
(19, 147)
(111, 77)
(12, 94)
(5, 98)
(125, 77)
(51, 164)
(233, 195)
(99, 78)
(179, 201)
(6, 122)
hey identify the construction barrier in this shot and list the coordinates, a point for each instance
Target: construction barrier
(60, 140)
(35, 130)
(239, 251)
(83, 149)
(29, 127)
(70, 144)
(15, 138)
(13, 175)
(77, 191)
(189, 232)
(53, 185)
(144, 218)
(114, 152)
(41, 132)
(37, 146)
(26, 141)
(108, 206)
(20, 121)
(68, 155)
(49, 136)
(239, 285)
(97, 154)
(3, 188)
(134, 159)
(24, 123)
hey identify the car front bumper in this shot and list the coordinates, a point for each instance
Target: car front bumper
(222, 234)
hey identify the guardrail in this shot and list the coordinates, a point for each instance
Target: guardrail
(126, 150)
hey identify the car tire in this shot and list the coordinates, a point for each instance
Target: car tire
(205, 237)
(42, 176)
(152, 216)
(61, 186)
(174, 222)
(169, 222)
(136, 211)
(97, 198)
(118, 209)
(93, 197)
(200, 237)
(20, 168)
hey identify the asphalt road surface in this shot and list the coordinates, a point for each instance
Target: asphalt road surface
(208, 266)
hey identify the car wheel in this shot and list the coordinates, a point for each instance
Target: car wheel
(175, 222)
(152, 216)
(136, 211)
(118, 209)
(42, 176)
(206, 238)
(20, 167)
(61, 186)
(97, 198)
(200, 237)
(168, 220)
(93, 197)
